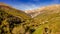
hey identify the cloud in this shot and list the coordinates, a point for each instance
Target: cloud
(27, 6)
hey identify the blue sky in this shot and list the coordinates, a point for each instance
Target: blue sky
(29, 4)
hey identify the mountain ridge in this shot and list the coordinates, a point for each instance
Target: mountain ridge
(37, 11)
(13, 21)
(11, 18)
(7, 7)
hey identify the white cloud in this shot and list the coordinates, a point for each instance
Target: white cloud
(27, 6)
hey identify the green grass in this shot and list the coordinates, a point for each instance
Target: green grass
(51, 21)
(11, 19)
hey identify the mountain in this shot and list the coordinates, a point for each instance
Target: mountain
(44, 20)
(48, 20)
(13, 10)
(40, 10)
(12, 19)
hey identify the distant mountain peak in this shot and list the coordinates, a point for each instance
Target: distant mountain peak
(37, 11)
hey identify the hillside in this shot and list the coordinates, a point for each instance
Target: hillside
(12, 19)
(9, 9)
(44, 20)
(48, 20)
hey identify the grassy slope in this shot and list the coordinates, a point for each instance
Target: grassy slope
(49, 19)
(11, 18)
(15, 12)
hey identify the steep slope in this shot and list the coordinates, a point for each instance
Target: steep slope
(48, 20)
(13, 11)
(12, 19)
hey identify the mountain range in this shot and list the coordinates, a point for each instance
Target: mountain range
(44, 20)
(40, 10)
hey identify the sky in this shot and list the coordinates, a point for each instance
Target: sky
(29, 4)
